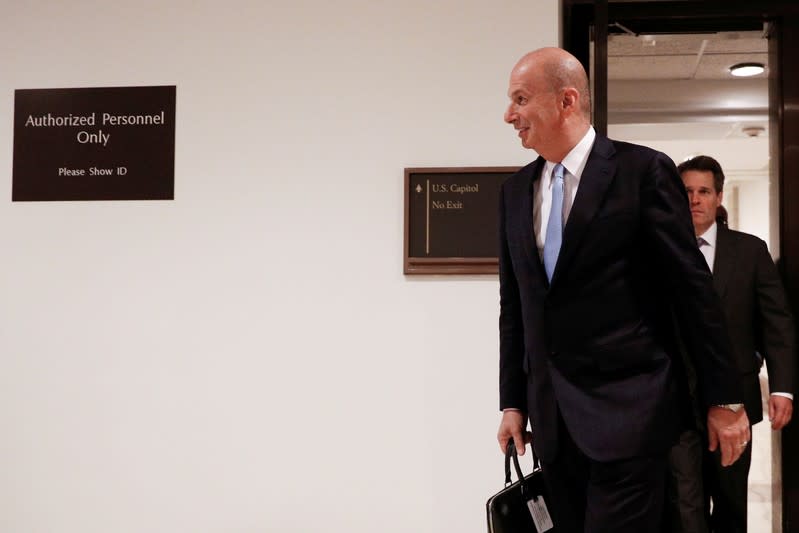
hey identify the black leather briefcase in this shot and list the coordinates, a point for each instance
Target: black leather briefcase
(521, 507)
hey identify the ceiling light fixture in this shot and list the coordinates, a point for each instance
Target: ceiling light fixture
(747, 69)
(753, 131)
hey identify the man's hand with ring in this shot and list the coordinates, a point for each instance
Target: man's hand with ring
(726, 430)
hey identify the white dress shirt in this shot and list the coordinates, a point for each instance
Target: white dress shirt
(708, 245)
(573, 165)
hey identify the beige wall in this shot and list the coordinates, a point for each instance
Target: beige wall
(249, 357)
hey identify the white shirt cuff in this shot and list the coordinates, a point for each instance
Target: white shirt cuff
(784, 394)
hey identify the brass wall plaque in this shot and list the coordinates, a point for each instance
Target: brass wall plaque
(451, 219)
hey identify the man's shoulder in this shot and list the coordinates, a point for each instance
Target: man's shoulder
(740, 235)
(635, 159)
(638, 150)
(743, 239)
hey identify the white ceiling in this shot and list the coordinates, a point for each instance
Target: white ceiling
(682, 84)
(706, 56)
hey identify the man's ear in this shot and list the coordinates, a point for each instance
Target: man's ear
(570, 99)
(721, 197)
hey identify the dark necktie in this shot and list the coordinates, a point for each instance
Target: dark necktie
(700, 241)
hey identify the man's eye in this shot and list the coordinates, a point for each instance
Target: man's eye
(521, 100)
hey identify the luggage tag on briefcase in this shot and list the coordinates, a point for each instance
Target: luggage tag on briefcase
(520, 506)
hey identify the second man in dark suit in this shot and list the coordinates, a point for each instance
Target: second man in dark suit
(761, 327)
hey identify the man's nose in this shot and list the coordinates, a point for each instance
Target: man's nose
(510, 115)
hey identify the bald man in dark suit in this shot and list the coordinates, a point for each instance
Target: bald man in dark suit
(596, 249)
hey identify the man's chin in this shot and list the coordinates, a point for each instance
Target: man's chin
(523, 138)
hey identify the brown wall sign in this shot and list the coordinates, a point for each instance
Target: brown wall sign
(451, 219)
(110, 143)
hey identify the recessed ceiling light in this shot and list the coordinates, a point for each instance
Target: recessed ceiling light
(747, 69)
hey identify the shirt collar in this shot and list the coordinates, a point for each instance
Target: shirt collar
(575, 160)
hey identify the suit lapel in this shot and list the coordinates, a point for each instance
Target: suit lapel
(724, 259)
(528, 226)
(597, 175)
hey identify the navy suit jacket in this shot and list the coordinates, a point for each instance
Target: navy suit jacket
(597, 345)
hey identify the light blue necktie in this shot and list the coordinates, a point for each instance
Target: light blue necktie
(554, 235)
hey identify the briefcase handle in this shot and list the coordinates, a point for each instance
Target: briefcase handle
(511, 454)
